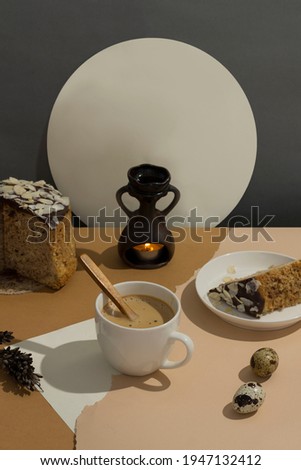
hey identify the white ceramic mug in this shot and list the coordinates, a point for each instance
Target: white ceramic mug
(141, 351)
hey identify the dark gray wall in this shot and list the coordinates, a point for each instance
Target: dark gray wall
(43, 42)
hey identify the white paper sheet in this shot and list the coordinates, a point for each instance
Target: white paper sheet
(75, 373)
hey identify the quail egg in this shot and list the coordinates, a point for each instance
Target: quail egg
(248, 398)
(264, 362)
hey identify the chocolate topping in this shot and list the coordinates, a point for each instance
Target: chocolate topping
(39, 198)
(242, 294)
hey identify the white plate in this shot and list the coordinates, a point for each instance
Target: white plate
(245, 263)
(157, 101)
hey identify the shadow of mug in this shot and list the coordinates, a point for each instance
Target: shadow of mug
(80, 367)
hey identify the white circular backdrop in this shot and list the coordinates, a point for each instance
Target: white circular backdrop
(155, 101)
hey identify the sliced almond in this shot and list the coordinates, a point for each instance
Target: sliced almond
(27, 195)
(19, 190)
(7, 189)
(35, 194)
(64, 200)
(58, 207)
(40, 183)
(46, 201)
(30, 187)
(11, 180)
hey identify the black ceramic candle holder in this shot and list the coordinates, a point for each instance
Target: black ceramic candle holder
(146, 242)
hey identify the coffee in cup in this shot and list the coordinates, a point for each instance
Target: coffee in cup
(150, 311)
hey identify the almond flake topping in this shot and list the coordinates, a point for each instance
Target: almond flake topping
(40, 198)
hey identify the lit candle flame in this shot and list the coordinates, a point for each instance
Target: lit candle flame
(148, 251)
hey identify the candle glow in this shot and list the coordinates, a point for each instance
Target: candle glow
(148, 251)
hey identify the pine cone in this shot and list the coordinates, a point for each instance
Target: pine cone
(6, 336)
(19, 365)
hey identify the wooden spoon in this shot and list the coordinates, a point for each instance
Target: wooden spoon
(108, 288)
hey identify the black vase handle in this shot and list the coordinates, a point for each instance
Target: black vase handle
(175, 200)
(119, 194)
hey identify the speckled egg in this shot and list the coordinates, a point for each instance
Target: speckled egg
(248, 398)
(264, 362)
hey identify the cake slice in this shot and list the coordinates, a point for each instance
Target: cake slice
(36, 233)
(263, 292)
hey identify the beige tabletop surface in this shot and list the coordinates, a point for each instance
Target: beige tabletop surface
(185, 408)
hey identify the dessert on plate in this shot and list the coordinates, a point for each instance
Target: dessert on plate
(263, 292)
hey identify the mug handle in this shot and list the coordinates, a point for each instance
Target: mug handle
(188, 343)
